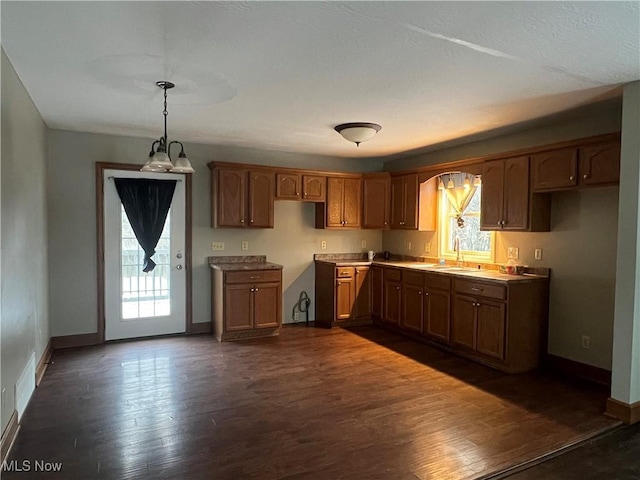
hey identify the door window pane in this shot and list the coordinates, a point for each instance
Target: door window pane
(145, 295)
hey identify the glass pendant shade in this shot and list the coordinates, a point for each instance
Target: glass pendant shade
(182, 165)
(149, 166)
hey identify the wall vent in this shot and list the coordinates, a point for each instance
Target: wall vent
(25, 386)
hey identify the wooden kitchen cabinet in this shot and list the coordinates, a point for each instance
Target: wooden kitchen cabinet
(377, 291)
(600, 164)
(412, 301)
(343, 205)
(437, 307)
(479, 325)
(554, 170)
(314, 188)
(376, 201)
(507, 203)
(392, 296)
(246, 303)
(343, 295)
(404, 202)
(242, 198)
(288, 186)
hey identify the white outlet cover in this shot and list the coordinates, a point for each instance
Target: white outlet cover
(408, 245)
(364, 244)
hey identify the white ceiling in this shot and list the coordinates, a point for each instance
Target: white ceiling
(281, 75)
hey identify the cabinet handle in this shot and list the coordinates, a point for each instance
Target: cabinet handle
(254, 278)
(339, 283)
(242, 220)
(585, 176)
(397, 288)
(426, 294)
(304, 193)
(385, 223)
(255, 289)
(477, 290)
(419, 293)
(571, 178)
(252, 290)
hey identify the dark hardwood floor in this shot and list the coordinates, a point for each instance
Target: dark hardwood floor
(311, 404)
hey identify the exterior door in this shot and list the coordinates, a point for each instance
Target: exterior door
(139, 304)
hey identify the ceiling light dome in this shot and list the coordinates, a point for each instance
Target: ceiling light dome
(357, 132)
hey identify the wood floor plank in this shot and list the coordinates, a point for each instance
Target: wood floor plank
(310, 404)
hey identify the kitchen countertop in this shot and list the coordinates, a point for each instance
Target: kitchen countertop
(451, 270)
(242, 262)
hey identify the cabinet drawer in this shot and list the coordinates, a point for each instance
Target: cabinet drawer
(252, 276)
(437, 281)
(393, 275)
(413, 278)
(344, 272)
(489, 290)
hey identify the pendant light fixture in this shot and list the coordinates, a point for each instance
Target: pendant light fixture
(160, 155)
(357, 132)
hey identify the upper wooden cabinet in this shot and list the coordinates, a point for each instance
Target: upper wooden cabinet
(576, 167)
(343, 205)
(288, 186)
(242, 198)
(554, 170)
(404, 202)
(600, 164)
(376, 200)
(505, 194)
(314, 188)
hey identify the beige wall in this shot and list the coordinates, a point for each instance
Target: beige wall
(580, 249)
(24, 318)
(72, 224)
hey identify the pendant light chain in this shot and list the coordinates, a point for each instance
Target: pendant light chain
(165, 112)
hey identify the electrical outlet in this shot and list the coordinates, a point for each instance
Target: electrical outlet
(363, 244)
(245, 245)
(217, 246)
(296, 317)
(427, 247)
(408, 245)
(512, 252)
(586, 342)
(537, 253)
(323, 244)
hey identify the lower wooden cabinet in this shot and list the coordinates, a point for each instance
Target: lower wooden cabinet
(343, 295)
(412, 301)
(392, 296)
(437, 307)
(479, 325)
(246, 303)
(377, 291)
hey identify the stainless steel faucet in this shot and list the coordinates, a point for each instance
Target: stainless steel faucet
(456, 247)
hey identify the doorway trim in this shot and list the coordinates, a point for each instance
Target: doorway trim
(190, 327)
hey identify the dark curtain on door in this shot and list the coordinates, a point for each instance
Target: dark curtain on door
(146, 203)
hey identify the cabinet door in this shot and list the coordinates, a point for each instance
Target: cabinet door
(261, 197)
(313, 188)
(392, 301)
(600, 165)
(410, 220)
(231, 197)
(377, 292)
(412, 307)
(491, 328)
(516, 194)
(352, 202)
(554, 170)
(397, 202)
(492, 193)
(238, 307)
(363, 292)
(345, 298)
(375, 202)
(335, 202)
(437, 313)
(266, 305)
(288, 186)
(463, 328)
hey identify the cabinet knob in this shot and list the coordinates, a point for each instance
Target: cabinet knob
(252, 290)
(385, 223)
(242, 220)
(571, 178)
(255, 289)
(426, 294)
(397, 288)
(585, 176)
(419, 293)
(251, 220)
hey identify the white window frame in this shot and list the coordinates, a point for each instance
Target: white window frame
(445, 212)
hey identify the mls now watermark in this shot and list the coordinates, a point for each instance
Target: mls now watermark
(31, 466)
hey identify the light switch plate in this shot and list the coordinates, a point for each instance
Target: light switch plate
(537, 253)
(363, 244)
(408, 245)
(512, 252)
(217, 246)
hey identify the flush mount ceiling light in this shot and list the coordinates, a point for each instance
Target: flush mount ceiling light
(160, 155)
(357, 132)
